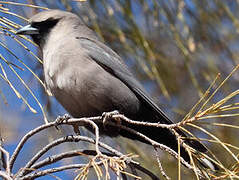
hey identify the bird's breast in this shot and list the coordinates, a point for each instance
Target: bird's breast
(86, 89)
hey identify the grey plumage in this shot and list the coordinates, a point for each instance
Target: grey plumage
(88, 78)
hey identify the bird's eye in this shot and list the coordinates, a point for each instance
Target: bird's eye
(36, 24)
(47, 24)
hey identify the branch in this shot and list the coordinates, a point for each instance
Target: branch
(31, 166)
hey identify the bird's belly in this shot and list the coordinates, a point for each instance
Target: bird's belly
(90, 93)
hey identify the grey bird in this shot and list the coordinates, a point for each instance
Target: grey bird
(89, 78)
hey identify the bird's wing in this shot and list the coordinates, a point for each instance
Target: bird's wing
(111, 62)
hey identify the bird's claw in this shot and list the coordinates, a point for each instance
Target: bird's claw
(107, 116)
(76, 129)
(60, 119)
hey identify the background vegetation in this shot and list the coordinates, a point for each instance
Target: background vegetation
(176, 48)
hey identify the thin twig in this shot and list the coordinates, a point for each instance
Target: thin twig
(160, 165)
(24, 139)
(69, 154)
(28, 166)
(83, 122)
(6, 160)
(53, 170)
(5, 175)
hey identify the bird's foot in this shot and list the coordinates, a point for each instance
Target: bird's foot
(60, 119)
(106, 116)
(76, 129)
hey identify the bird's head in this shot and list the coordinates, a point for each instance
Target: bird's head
(42, 24)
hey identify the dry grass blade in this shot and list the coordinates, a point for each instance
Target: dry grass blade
(27, 49)
(194, 166)
(4, 77)
(4, 98)
(107, 174)
(28, 68)
(214, 141)
(13, 14)
(25, 5)
(221, 124)
(8, 30)
(217, 110)
(223, 82)
(116, 164)
(9, 22)
(202, 98)
(215, 138)
(29, 90)
(179, 162)
(97, 170)
(84, 173)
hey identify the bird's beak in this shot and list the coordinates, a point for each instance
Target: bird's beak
(28, 30)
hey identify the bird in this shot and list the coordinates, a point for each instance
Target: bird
(88, 78)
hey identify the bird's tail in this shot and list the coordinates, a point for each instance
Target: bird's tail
(166, 137)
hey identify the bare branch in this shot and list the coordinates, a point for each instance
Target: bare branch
(6, 159)
(5, 175)
(30, 166)
(160, 165)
